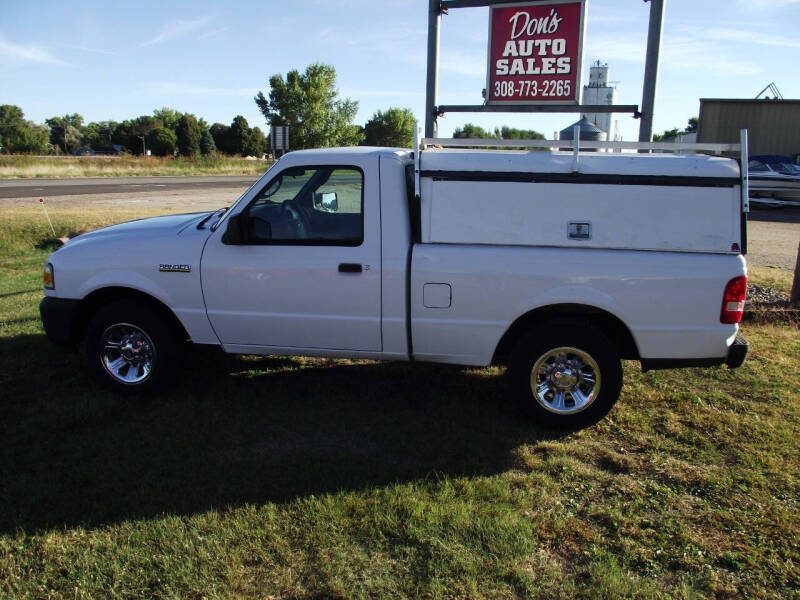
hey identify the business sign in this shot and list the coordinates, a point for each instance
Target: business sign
(535, 52)
(279, 137)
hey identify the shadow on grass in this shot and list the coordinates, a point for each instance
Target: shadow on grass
(21, 292)
(784, 214)
(236, 430)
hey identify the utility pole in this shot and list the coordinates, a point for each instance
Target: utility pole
(144, 149)
(432, 86)
(651, 69)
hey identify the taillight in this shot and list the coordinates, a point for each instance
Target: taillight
(733, 300)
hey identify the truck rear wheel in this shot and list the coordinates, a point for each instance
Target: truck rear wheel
(565, 374)
(131, 349)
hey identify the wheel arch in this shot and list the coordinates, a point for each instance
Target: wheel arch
(90, 304)
(610, 325)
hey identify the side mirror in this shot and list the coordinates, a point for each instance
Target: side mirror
(234, 233)
(326, 202)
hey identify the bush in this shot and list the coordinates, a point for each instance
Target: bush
(162, 141)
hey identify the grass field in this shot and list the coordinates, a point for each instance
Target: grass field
(298, 478)
(119, 166)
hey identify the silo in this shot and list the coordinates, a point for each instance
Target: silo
(589, 132)
(601, 92)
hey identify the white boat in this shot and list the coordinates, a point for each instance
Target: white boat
(774, 180)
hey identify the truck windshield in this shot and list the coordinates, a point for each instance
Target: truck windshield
(227, 210)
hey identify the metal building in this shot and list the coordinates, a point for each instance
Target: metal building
(773, 125)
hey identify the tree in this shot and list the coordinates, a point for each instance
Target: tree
(162, 141)
(238, 134)
(169, 117)
(393, 128)
(691, 127)
(512, 133)
(238, 138)
(99, 134)
(472, 131)
(188, 135)
(222, 138)
(505, 133)
(34, 139)
(669, 133)
(129, 132)
(309, 104)
(255, 143)
(207, 145)
(19, 135)
(66, 132)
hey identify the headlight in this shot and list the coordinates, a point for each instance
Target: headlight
(48, 278)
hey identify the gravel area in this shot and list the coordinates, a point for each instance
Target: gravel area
(762, 297)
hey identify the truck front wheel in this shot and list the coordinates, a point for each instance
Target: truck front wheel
(131, 349)
(565, 374)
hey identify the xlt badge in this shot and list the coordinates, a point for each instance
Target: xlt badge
(175, 268)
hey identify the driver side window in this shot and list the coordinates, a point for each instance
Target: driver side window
(317, 205)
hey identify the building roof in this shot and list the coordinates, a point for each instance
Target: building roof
(751, 101)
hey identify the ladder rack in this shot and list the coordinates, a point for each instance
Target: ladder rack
(576, 144)
(570, 144)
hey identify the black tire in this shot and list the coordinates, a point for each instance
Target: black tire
(563, 371)
(149, 350)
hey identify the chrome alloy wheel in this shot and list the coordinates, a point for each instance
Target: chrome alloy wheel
(128, 353)
(565, 380)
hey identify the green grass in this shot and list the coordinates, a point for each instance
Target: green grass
(779, 279)
(14, 166)
(298, 478)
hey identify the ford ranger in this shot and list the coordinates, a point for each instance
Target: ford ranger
(554, 266)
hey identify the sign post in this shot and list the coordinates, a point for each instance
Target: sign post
(432, 81)
(651, 69)
(536, 53)
(535, 59)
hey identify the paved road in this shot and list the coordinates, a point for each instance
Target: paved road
(26, 188)
(773, 235)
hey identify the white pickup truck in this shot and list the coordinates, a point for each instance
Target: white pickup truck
(553, 263)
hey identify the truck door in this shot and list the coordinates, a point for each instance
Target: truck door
(306, 269)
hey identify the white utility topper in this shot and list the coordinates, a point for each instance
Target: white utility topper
(557, 264)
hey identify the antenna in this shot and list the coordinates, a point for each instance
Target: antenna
(776, 93)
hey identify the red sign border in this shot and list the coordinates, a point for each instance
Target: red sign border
(579, 74)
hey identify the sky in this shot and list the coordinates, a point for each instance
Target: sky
(118, 60)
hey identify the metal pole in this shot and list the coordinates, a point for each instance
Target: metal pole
(651, 69)
(432, 86)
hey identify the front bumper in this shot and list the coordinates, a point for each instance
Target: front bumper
(59, 317)
(737, 352)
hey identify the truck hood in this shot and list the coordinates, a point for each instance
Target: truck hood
(150, 227)
(130, 255)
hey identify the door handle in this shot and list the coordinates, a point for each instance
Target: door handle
(350, 268)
